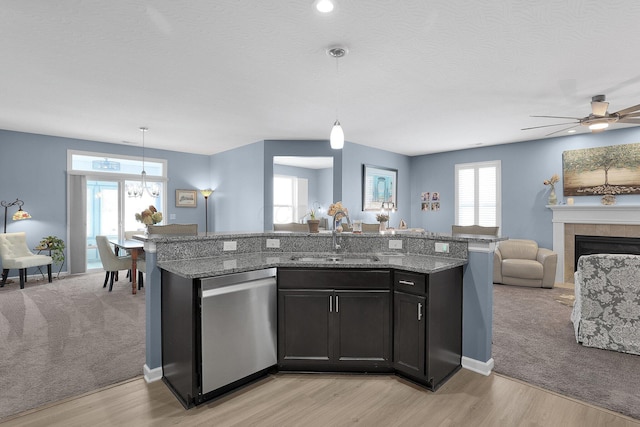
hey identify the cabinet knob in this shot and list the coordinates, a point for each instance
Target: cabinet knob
(330, 304)
(406, 282)
(419, 311)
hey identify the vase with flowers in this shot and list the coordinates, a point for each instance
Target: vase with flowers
(337, 211)
(553, 199)
(149, 216)
(382, 218)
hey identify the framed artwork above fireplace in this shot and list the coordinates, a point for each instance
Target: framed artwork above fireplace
(614, 169)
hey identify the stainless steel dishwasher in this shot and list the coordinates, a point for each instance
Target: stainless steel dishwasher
(239, 327)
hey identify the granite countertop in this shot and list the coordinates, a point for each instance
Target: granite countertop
(216, 266)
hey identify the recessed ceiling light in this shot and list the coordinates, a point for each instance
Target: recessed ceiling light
(324, 6)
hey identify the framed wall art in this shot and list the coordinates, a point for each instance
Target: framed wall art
(379, 185)
(186, 198)
(613, 169)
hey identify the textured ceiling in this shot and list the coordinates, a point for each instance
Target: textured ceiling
(207, 76)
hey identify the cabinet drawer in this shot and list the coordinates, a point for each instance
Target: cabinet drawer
(293, 278)
(410, 282)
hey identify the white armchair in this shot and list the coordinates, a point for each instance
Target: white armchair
(523, 263)
(15, 254)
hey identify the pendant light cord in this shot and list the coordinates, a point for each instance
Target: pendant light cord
(337, 86)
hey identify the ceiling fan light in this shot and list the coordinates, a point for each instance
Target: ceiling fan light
(337, 136)
(598, 126)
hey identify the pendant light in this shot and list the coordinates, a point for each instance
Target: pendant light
(336, 137)
(137, 190)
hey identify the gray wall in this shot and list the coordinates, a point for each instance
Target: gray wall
(33, 169)
(525, 166)
(237, 203)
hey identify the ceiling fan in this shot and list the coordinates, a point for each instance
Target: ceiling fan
(599, 119)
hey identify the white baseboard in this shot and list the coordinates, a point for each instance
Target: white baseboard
(151, 375)
(483, 368)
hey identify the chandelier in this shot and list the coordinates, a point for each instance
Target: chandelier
(137, 190)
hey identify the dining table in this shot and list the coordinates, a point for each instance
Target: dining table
(134, 247)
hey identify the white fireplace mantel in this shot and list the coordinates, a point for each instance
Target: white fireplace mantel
(587, 214)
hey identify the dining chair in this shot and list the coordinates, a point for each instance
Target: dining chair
(111, 262)
(141, 267)
(15, 254)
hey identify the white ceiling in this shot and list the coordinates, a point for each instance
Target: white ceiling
(209, 75)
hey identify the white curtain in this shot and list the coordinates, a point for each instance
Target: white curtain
(77, 217)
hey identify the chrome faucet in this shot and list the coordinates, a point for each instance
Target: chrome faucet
(336, 244)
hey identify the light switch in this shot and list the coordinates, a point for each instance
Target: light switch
(442, 247)
(172, 216)
(395, 244)
(273, 243)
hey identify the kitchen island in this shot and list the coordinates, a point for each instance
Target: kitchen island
(220, 254)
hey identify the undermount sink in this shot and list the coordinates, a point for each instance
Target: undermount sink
(336, 258)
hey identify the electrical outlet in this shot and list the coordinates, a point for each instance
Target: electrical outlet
(442, 247)
(229, 264)
(230, 246)
(395, 244)
(172, 216)
(273, 243)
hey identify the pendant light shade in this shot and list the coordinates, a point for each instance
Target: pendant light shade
(337, 136)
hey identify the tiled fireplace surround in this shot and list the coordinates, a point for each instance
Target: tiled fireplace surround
(589, 220)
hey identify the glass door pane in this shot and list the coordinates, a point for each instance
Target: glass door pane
(103, 203)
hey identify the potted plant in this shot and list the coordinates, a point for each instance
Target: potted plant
(312, 222)
(55, 246)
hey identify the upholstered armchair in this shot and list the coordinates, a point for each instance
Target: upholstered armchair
(523, 263)
(16, 255)
(175, 229)
(111, 262)
(606, 313)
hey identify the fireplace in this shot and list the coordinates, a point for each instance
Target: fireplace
(589, 220)
(586, 245)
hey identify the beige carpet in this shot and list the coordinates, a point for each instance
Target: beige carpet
(567, 296)
(534, 341)
(66, 338)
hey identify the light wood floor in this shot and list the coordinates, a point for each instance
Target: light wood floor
(468, 399)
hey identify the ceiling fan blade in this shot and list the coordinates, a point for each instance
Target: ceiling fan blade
(562, 130)
(599, 108)
(629, 110)
(630, 120)
(546, 126)
(559, 117)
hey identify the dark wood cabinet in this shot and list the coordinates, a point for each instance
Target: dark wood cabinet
(409, 333)
(338, 320)
(428, 325)
(304, 326)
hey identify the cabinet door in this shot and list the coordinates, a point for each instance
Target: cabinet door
(409, 333)
(363, 327)
(304, 326)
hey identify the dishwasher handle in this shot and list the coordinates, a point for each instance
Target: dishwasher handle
(270, 281)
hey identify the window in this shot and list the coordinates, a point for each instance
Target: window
(289, 199)
(478, 194)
